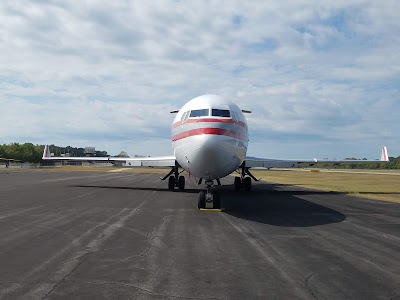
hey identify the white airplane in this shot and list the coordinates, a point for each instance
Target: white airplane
(209, 139)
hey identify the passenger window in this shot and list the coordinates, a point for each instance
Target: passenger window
(185, 116)
(221, 113)
(199, 113)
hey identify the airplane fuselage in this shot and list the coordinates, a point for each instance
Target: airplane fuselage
(210, 137)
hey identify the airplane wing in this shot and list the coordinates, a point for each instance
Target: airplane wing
(252, 162)
(155, 161)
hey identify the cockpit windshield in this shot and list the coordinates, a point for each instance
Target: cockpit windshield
(199, 113)
(221, 113)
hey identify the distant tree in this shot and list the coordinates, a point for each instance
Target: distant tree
(79, 152)
(102, 154)
(28, 152)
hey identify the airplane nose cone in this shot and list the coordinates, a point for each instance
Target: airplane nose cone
(213, 157)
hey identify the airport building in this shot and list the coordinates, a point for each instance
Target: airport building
(90, 151)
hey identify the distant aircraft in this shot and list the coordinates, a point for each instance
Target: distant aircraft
(209, 139)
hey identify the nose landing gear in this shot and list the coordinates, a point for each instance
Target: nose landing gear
(209, 198)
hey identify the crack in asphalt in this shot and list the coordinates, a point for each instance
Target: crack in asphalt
(92, 247)
(307, 285)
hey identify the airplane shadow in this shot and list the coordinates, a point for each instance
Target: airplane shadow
(189, 191)
(273, 204)
(267, 204)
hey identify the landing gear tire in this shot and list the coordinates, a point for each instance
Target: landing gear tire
(202, 200)
(238, 184)
(181, 182)
(171, 182)
(247, 184)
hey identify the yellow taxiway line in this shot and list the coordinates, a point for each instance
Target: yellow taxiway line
(213, 209)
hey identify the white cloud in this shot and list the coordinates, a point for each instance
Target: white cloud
(308, 70)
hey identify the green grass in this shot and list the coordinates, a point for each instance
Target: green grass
(372, 186)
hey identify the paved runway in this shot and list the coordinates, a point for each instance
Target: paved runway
(95, 235)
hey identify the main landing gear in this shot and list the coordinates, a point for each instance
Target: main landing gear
(209, 198)
(174, 179)
(244, 182)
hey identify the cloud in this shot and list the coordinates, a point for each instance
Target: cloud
(315, 73)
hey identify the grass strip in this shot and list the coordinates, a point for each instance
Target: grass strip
(372, 186)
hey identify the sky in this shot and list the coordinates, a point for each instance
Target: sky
(321, 77)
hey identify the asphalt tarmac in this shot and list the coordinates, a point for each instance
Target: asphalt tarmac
(97, 235)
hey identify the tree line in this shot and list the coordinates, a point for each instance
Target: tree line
(29, 152)
(394, 163)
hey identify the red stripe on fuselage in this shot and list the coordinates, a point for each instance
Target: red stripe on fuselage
(209, 120)
(213, 131)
